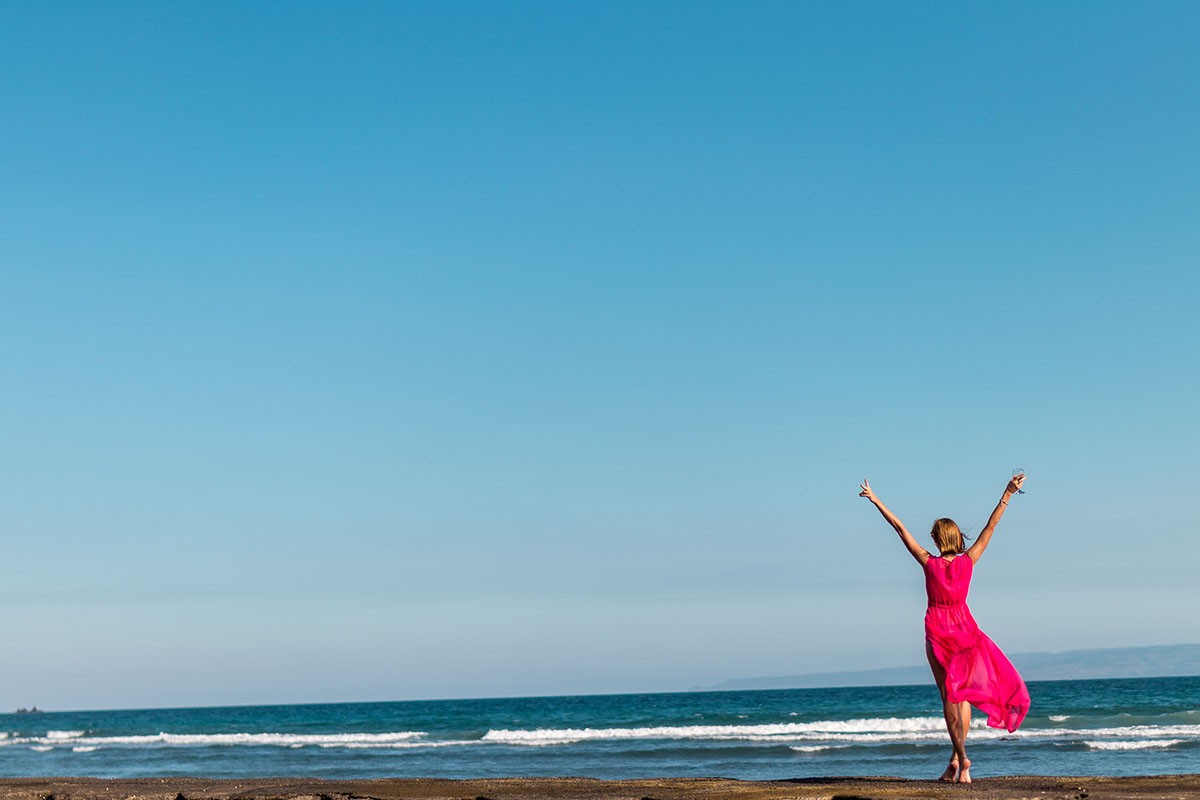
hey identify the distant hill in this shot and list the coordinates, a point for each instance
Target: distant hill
(1110, 662)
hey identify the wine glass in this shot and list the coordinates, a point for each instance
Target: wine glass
(1016, 472)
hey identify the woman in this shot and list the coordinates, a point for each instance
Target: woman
(968, 667)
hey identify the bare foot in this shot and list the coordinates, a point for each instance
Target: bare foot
(964, 774)
(951, 771)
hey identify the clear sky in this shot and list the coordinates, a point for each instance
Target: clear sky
(369, 351)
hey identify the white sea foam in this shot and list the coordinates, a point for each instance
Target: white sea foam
(817, 748)
(220, 739)
(1139, 731)
(802, 736)
(83, 749)
(406, 745)
(60, 735)
(276, 739)
(1059, 717)
(852, 729)
(1137, 744)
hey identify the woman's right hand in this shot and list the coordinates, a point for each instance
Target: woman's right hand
(1014, 485)
(866, 491)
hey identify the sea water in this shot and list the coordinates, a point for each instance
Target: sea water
(1095, 727)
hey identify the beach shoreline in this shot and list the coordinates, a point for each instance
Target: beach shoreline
(1155, 787)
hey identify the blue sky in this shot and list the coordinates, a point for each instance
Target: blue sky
(382, 351)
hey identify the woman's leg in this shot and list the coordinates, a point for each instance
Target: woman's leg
(955, 725)
(964, 714)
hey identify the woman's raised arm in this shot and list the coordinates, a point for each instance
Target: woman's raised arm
(985, 535)
(918, 552)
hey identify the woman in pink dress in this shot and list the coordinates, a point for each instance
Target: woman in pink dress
(968, 667)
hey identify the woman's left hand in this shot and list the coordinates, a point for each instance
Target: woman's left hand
(1014, 485)
(866, 491)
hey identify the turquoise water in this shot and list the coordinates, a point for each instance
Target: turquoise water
(1102, 727)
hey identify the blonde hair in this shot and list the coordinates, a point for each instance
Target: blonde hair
(947, 536)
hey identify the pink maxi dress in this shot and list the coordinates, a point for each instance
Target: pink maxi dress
(976, 670)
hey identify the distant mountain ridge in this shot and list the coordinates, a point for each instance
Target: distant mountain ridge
(1159, 661)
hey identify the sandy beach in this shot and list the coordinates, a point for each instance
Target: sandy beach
(864, 788)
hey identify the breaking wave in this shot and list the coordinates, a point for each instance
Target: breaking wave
(80, 739)
(1137, 744)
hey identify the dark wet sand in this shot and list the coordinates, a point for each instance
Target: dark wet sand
(1019, 788)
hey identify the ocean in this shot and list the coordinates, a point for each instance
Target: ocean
(1096, 727)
